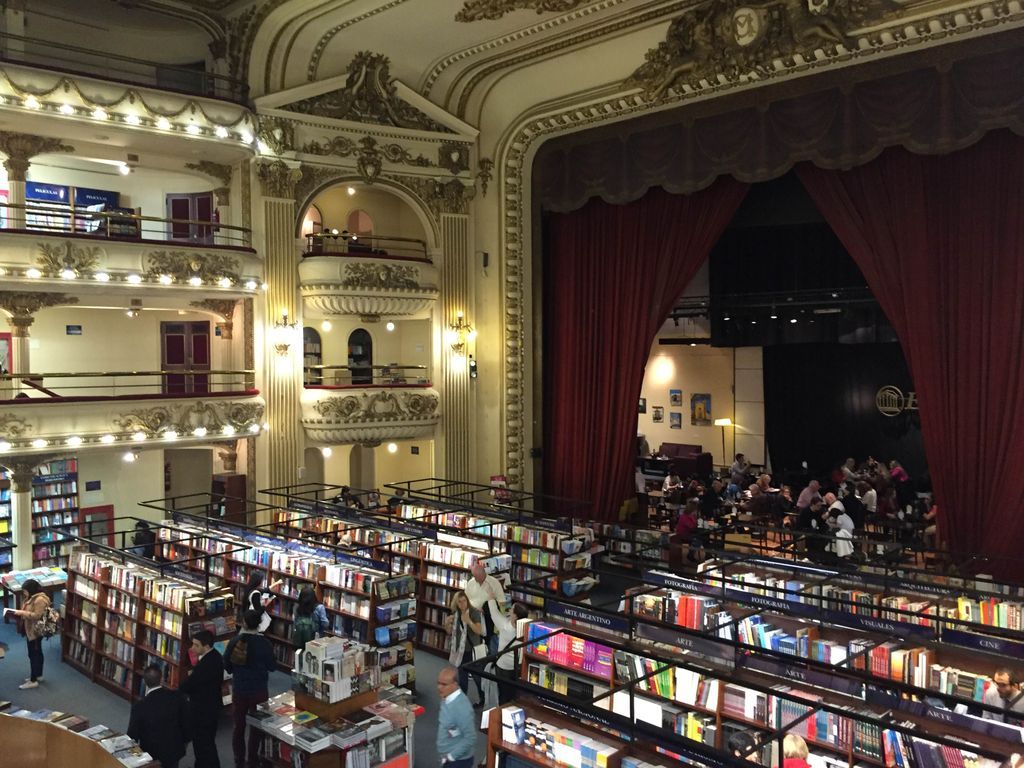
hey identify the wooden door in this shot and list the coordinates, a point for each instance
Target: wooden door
(192, 217)
(97, 523)
(185, 347)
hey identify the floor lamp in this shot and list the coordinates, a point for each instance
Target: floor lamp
(723, 423)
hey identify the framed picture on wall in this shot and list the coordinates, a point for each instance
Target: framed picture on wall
(642, 407)
(700, 410)
(658, 414)
(675, 420)
(675, 398)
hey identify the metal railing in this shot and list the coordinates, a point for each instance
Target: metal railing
(110, 66)
(52, 387)
(120, 224)
(334, 243)
(344, 376)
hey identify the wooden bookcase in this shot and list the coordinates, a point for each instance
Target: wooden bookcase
(54, 502)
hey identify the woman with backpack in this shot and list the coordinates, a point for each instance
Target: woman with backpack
(31, 612)
(310, 619)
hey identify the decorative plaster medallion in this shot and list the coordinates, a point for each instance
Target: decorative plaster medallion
(183, 266)
(183, 418)
(382, 277)
(55, 258)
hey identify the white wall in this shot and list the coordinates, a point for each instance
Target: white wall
(122, 484)
(699, 369)
(188, 470)
(749, 417)
(403, 465)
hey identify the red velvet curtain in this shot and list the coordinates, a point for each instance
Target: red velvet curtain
(941, 243)
(611, 275)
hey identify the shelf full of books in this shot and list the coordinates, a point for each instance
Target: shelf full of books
(6, 522)
(121, 617)
(658, 687)
(362, 601)
(54, 502)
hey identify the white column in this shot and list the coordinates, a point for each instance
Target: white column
(21, 512)
(456, 401)
(20, 362)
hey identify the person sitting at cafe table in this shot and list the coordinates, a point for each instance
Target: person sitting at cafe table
(687, 531)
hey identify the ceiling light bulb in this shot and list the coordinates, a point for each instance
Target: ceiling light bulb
(224, 282)
(251, 285)
(74, 441)
(693, 344)
(792, 320)
(266, 426)
(163, 124)
(192, 129)
(246, 137)
(3, 271)
(124, 169)
(254, 428)
(132, 119)
(66, 109)
(264, 286)
(170, 434)
(195, 281)
(39, 443)
(227, 429)
(34, 273)
(68, 274)
(100, 114)
(326, 452)
(326, 325)
(138, 437)
(32, 102)
(4, 446)
(727, 318)
(166, 279)
(773, 316)
(134, 279)
(220, 132)
(753, 322)
(389, 326)
(102, 277)
(199, 431)
(351, 191)
(107, 439)
(129, 457)
(392, 448)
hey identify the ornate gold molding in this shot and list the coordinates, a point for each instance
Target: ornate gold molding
(380, 277)
(56, 258)
(369, 155)
(440, 196)
(219, 172)
(368, 96)
(484, 174)
(276, 133)
(20, 148)
(453, 156)
(477, 10)
(379, 406)
(183, 266)
(225, 308)
(278, 179)
(184, 418)
(13, 426)
(23, 306)
(722, 38)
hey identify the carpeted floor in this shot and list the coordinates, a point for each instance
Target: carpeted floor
(67, 690)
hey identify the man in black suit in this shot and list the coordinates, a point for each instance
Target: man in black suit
(159, 721)
(203, 687)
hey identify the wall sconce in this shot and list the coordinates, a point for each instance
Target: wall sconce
(282, 334)
(459, 334)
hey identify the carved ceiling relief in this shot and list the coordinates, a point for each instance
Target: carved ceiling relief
(23, 305)
(277, 134)
(724, 38)
(369, 154)
(368, 96)
(278, 179)
(20, 148)
(183, 266)
(477, 10)
(57, 258)
(380, 277)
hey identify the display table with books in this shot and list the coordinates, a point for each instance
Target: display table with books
(47, 738)
(339, 715)
(52, 580)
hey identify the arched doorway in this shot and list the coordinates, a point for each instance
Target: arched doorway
(360, 356)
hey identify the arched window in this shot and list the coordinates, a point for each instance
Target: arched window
(312, 222)
(359, 223)
(312, 354)
(360, 356)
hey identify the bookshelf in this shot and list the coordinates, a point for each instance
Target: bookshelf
(54, 502)
(6, 521)
(121, 617)
(312, 355)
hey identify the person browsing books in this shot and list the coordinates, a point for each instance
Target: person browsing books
(465, 627)
(310, 619)
(159, 720)
(31, 611)
(507, 663)
(249, 657)
(1004, 693)
(203, 688)
(456, 726)
(258, 600)
(486, 594)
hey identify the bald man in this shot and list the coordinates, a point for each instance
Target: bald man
(456, 726)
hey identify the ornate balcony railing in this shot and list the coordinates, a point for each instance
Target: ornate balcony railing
(345, 243)
(72, 59)
(370, 414)
(350, 376)
(45, 388)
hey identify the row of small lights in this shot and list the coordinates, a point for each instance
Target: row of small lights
(192, 128)
(136, 437)
(134, 278)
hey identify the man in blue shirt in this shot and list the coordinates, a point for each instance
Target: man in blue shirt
(456, 726)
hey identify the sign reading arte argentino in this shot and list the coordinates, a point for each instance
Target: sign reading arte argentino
(890, 401)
